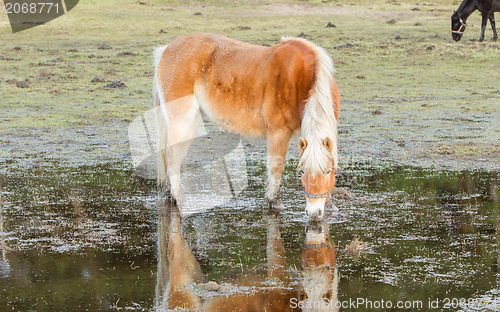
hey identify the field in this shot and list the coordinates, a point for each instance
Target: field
(419, 149)
(90, 71)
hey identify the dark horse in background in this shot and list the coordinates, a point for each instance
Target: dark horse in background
(459, 17)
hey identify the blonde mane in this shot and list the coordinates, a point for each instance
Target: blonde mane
(319, 120)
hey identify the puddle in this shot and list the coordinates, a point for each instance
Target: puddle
(95, 238)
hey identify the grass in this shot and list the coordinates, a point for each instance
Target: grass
(395, 56)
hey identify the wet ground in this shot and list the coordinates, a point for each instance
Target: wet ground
(87, 239)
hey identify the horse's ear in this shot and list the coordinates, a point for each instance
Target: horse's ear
(328, 144)
(302, 144)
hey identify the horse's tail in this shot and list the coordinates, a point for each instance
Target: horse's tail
(161, 119)
(319, 120)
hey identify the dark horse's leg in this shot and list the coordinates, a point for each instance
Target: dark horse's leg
(484, 20)
(492, 22)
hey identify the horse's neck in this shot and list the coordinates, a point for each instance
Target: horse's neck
(466, 8)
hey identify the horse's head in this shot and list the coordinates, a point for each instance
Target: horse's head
(457, 26)
(317, 175)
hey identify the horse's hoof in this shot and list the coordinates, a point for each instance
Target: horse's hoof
(275, 206)
(170, 199)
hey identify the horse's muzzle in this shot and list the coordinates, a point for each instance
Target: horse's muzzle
(456, 36)
(315, 208)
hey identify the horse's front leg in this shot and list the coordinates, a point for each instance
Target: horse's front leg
(492, 22)
(484, 20)
(277, 147)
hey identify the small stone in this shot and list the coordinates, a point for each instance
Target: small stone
(22, 84)
(97, 79)
(104, 46)
(115, 84)
(377, 112)
(127, 53)
(212, 286)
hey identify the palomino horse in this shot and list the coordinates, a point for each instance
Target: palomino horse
(459, 17)
(255, 91)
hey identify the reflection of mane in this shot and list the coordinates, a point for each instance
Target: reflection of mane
(178, 271)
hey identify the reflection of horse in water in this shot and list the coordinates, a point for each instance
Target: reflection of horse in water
(255, 91)
(179, 274)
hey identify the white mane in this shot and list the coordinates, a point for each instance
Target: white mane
(319, 120)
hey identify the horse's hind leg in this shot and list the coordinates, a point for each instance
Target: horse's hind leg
(277, 147)
(493, 27)
(484, 20)
(182, 117)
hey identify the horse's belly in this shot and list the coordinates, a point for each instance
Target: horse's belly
(231, 114)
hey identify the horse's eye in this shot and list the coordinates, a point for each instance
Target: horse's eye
(328, 171)
(302, 171)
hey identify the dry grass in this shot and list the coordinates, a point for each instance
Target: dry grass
(357, 249)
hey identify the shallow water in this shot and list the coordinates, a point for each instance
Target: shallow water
(86, 239)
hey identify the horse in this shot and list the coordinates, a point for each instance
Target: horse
(255, 91)
(459, 17)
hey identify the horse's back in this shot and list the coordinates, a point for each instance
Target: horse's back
(245, 88)
(488, 5)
